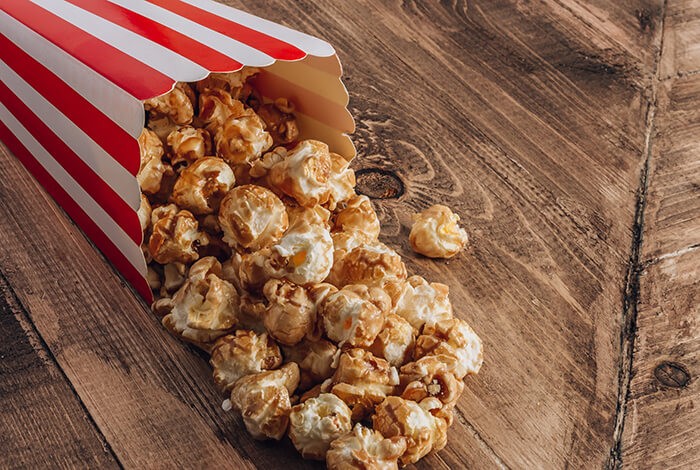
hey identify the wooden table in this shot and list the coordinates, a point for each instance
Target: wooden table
(567, 135)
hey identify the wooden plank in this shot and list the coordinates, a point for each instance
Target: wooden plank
(42, 421)
(682, 41)
(662, 429)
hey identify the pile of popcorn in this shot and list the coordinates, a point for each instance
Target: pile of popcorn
(261, 253)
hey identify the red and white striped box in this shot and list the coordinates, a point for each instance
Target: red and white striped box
(75, 74)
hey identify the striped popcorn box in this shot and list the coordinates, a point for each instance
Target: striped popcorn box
(75, 74)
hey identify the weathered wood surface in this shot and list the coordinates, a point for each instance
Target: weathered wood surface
(530, 119)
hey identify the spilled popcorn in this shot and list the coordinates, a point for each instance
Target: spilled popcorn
(261, 253)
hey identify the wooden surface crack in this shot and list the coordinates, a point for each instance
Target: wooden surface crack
(631, 293)
(10, 293)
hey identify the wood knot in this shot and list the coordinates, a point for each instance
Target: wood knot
(376, 183)
(672, 374)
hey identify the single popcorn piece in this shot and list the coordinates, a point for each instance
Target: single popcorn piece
(395, 341)
(420, 302)
(317, 422)
(454, 341)
(216, 106)
(261, 167)
(315, 360)
(396, 417)
(144, 214)
(202, 185)
(305, 254)
(430, 377)
(435, 233)
(203, 310)
(175, 235)
(240, 354)
(304, 174)
(354, 315)
(263, 400)
(231, 82)
(371, 264)
(188, 144)
(341, 182)
(252, 217)
(362, 381)
(365, 448)
(242, 139)
(176, 105)
(290, 313)
(358, 215)
(279, 120)
(152, 169)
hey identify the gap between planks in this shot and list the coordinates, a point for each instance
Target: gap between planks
(630, 292)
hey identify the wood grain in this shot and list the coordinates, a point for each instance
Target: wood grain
(42, 421)
(682, 40)
(530, 119)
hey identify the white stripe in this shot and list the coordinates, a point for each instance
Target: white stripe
(160, 58)
(87, 149)
(110, 99)
(305, 42)
(236, 50)
(110, 228)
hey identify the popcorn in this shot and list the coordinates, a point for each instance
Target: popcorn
(144, 214)
(153, 278)
(279, 121)
(261, 167)
(216, 106)
(365, 448)
(316, 423)
(354, 315)
(435, 233)
(396, 417)
(430, 377)
(317, 215)
(175, 235)
(263, 400)
(252, 217)
(242, 139)
(202, 185)
(305, 253)
(395, 341)
(315, 360)
(455, 341)
(357, 215)
(304, 174)
(176, 105)
(203, 310)
(342, 181)
(188, 144)
(290, 313)
(231, 82)
(371, 264)
(240, 354)
(420, 302)
(152, 169)
(174, 275)
(362, 381)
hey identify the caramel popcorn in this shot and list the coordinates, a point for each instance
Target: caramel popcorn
(304, 174)
(395, 341)
(175, 235)
(435, 233)
(290, 313)
(315, 360)
(365, 448)
(216, 106)
(279, 121)
(305, 253)
(231, 82)
(242, 353)
(396, 417)
(317, 215)
(354, 315)
(242, 139)
(261, 167)
(252, 217)
(341, 183)
(362, 381)
(263, 400)
(202, 185)
(317, 422)
(152, 169)
(420, 302)
(174, 275)
(453, 339)
(371, 264)
(357, 215)
(188, 144)
(176, 105)
(430, 377)
(144, 214)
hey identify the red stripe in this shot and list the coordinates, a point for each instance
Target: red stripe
(275, 48)
(105, 132)
(100, 191)
(197, 52)
(130, 74)
(130, 273)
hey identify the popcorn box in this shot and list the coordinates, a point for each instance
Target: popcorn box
(75, 74)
